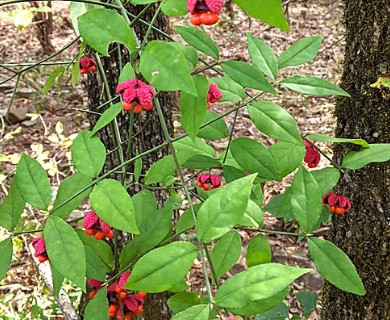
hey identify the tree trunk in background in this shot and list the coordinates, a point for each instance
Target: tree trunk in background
(146, 127)
(364, 232)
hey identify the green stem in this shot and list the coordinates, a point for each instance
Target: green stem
(181, 175)
(294, 234)
(213, 271)
(114, 125)
(129, 144)
(230, 136)
(13, 95)
(145, 39)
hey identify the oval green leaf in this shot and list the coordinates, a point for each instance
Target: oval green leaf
(183, 300)
(65, 250)
(174, 8)
(98, 34)
(287, 156)
(226, 253)
(231, 90)
(113, 204)
(199, 40)
(275, 122)
(126, 74)
(326, 179)
(159, 170)
(162, 268)
(262, 56)
(313, 86)
(165, 68)
(97, 308)
(269, 11)
(335, 266)
(224, 208)
(302, 51)
(198, 312)
(6, 250)
(108, 115)
(247, 75)
(213, 131)
(375, 153)
(259, 251)
(254, 157)
(324, 138)
(11, 208)
(305, 200)
(68, 188)
(258, 282)
(193, 108)
(88, 154)
(32, 182)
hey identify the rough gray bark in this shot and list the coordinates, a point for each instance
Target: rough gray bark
(147, 129)
(364, 232)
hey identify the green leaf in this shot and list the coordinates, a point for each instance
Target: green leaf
(68, 188)
(97, 308)
(6, 250)
(183, 300)
(108, 115)
(258, 282)
(313, 86)
(305, 200)
(98, 34)
(259, 251)
(199, 40)
(113, 204)
(280, 312)
(186, 220)
(143, 1)
(224, 208)
(287, 156)
(326, 179)
(214, 131)
(226, 252)
(137, 167)
(200, 162)
(269, 11)
(193, 108)
(88, 154)
(32, 182)
(261, 306)
(335, 266)
(96, 268)
(50, 80)
(324, 138)
(126, 74)
(253, 216)
(188, 52)
(247, 75)
(187, 148)
(198, 312)
(76, 9)
(375, 153)
(280, 205)
(231, 90)
(308, 301)
(154, 228)
(165, 68)
(75, 73)
(174, 8)
(275, 122)
(302, 51)
(11, 208)
(159, 170)
(101, 248)
(162, 268)
(65, 250)
(254, 157)
(262, 56)
(144, 202)
(57, 279)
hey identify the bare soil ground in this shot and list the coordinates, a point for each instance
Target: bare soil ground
(38, 135)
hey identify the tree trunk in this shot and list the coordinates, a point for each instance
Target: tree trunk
(364, 232)
(147, 129)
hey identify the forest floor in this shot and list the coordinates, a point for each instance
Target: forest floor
(43, 125)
